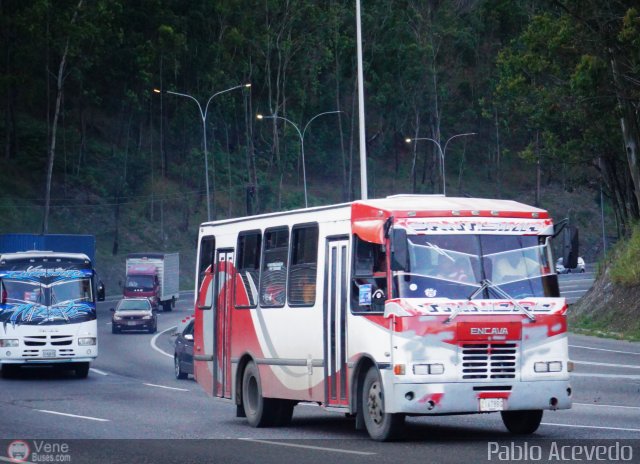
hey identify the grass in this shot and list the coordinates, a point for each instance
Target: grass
(624, 265)
(601, 327)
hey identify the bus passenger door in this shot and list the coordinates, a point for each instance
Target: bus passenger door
(222, 324)
(335, 308)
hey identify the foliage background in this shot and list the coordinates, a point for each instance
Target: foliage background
(544, 84)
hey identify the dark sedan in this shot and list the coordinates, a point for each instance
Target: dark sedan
(183, 354)
(134, 314)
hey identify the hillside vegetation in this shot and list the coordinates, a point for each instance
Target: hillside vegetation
(550, 90)
(612, 306)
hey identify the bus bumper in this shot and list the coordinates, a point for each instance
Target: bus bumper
(469, 398)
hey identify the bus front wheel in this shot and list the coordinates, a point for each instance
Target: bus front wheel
(522, 422)
(81, 369)
(381, 426)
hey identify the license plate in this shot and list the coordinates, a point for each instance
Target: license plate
(491, 404)
(48, 353)
(132, 323)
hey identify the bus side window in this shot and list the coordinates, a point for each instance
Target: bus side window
(369, 275)
(205, 267)
(248, 264)
(273, 278)
(304, 265)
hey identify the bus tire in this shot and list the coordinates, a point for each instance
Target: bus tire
(381, 426)
(9, 371)
(284, 412)
(81, 369)
(522, 422)
(260, 411)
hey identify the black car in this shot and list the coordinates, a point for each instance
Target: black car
(134, 314)
(183, 354)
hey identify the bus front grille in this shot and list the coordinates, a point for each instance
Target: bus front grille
(489, 361)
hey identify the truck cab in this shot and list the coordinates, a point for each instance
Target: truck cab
(142, 281)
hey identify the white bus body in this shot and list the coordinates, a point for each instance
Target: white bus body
(409, 305)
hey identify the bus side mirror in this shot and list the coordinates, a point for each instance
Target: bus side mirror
(570, 249)
(399, 250)
(100, 291)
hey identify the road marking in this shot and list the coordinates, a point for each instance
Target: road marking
(73, 415)
(606, 405)
(319, 448)
(168, 388)
(98, 371)
(155, 347)
(592, 427)
(603, 349)
(590, 363)
(606, 376)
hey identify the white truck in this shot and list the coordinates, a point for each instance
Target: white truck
(155, 276)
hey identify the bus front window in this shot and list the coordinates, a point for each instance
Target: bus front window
(455, 266)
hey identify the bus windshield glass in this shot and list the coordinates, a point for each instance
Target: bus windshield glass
(457, 266)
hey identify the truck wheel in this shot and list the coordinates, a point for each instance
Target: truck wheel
(260, 412)
(9, 371)
(166, 305)
(81, 369)
(381, 426)
(522, 422)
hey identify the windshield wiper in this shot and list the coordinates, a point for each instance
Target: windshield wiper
(487, 284)
(440, 251)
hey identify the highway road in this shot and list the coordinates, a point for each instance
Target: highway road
(574, 285)
(132, 409)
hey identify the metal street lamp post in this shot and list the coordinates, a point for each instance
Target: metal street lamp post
(203, 116)
(442, 152)
(301, 135)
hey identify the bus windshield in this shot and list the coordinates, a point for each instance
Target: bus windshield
(64, 292)
(457, 266)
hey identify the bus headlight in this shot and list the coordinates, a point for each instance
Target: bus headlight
(7, 342)
(86, 341)
(548, 366)
(428, 369)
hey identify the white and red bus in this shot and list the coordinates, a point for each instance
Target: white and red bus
(408, 305)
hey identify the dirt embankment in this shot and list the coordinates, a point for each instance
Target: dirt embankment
(608, 308)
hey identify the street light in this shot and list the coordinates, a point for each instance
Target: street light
(203, 115)
(301, 135)
(442, 152)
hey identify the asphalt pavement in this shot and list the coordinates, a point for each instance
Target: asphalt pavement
(132, 409)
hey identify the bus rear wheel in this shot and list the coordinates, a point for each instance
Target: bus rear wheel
(522, 422)
(381, 426)
(260, 411)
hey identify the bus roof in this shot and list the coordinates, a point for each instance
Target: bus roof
(416, 206)
(40, 254)
(441, 206)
